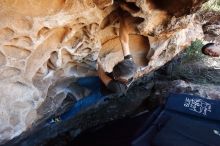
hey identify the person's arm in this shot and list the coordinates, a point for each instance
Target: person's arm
(124, 6)
(105, 79)
(124, 36)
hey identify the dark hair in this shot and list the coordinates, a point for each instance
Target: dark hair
(205, 47)
(125, 69)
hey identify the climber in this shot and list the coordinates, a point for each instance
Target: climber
(122, 75)
(211, 49)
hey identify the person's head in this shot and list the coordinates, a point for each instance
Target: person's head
(211, 49)
(124, 70)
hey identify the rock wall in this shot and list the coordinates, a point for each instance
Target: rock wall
(45, 45)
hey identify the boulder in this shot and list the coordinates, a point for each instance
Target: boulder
(46, 45)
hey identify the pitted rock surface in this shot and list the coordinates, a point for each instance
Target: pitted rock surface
(45, 45)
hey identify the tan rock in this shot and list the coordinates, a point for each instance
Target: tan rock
(16, 52)
(45, 41)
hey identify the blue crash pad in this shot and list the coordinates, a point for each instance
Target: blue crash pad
(185, 121)
(92, 83)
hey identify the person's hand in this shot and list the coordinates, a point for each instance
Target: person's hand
(98, 64)
(98, 61)
(124, 6)
(101, 73)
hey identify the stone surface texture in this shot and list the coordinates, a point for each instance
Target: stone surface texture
(46, 44)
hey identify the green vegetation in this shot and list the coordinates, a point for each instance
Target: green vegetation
(194, 50)
(193, 66)
(212, 5)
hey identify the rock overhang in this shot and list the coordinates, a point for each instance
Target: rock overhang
(45, 45)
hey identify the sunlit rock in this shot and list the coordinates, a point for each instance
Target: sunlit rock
(45, 45)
